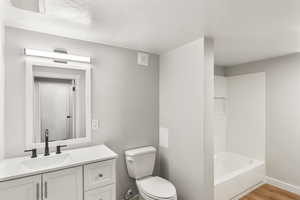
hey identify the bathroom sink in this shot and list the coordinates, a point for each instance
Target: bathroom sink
(46, 161)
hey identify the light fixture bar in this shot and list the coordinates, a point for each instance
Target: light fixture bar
(54, 55)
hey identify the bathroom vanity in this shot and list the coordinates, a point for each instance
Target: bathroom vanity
(58, 114)
(85, 173)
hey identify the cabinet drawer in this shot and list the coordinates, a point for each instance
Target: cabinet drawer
(99, 174)
(104, 193)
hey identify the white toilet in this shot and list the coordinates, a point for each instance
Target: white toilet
(140, 165)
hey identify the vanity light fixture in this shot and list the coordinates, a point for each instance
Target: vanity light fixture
(54, 55)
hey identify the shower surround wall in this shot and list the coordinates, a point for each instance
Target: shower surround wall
(246, 115)
(220, 114)
(240, 115)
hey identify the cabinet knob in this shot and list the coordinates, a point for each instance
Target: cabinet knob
(100, 176)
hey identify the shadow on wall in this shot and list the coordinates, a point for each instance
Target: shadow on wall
(164, 164)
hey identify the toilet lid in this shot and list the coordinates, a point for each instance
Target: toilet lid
(158, 187)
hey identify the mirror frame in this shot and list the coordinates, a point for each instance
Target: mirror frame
(29, 101)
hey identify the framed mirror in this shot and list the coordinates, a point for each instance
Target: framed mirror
(58, 100)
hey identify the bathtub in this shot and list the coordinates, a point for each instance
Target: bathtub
(236, 174)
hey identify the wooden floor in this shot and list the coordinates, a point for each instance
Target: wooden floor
(269, 192)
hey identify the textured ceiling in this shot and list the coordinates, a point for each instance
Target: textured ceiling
(73, 10)
(243, 30)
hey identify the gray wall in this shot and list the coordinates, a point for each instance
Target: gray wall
(2, 82)
(124, 95)
(282, 114)
(219, 71)
(182, 92)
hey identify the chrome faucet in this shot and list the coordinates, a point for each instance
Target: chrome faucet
(46, 143)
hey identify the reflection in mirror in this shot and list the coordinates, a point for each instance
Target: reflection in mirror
(55, 106)
(59, 94)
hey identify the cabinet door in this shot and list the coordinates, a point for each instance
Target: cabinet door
(63, 185)
(21, 189)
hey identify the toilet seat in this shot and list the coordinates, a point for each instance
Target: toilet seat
(156, 188)
(150, 197)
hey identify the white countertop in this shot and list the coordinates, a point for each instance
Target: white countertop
(14, 168)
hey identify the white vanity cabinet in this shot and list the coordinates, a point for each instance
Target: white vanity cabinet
(58, 185)
(79, 174)
(21, 189)
(94, 181)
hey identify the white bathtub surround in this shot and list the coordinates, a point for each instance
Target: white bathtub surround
(283, 113)
(220, 87)
(220, 118)
(26, 166)
(246, 125)
(220, 132)
(235, 174)
(239, 128)
(240, 115)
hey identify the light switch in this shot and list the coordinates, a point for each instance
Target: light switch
(95, 124)
(164, 137)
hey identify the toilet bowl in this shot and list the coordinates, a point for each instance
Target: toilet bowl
(156, 188)
(140, 165)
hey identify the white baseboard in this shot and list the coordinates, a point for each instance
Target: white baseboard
(248, 191)
(283, 185)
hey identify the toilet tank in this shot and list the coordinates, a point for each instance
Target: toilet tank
(140, 162)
